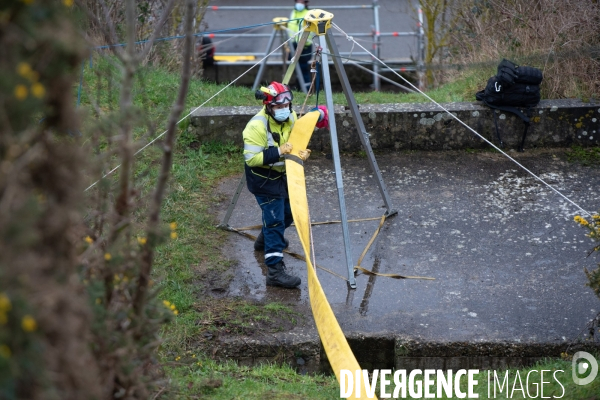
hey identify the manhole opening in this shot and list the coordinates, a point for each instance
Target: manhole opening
(371, 353)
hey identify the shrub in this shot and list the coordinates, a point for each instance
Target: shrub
(559, 37)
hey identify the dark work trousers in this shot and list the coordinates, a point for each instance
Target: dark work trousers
(304, 63)
(276, 216)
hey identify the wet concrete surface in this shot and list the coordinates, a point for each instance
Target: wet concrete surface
(504, 250)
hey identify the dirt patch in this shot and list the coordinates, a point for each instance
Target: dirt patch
(221, 317)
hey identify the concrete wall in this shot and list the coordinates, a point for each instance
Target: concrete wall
(555, 123)
(303, 351)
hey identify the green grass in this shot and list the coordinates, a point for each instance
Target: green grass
(188, 265)
(155, 91)
(588, 156)
(226, 380)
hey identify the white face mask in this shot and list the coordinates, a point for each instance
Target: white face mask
(282, 114)
(299, 7)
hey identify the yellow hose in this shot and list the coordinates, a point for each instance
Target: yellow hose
(334, 342)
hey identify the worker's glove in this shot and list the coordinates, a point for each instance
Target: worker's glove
(323, 121)
(304, 154)
(285, 148)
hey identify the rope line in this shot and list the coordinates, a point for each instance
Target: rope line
(201, 105)
(249, 228)
(465, 125)
(205, 48)
(591, 51)
(239, 231)
(107, 46)
(358, 267)
(355, 62)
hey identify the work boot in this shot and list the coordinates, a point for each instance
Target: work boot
(276, 276)
(259, 243)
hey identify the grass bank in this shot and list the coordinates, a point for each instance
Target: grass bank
(155, 91)
(190, 269)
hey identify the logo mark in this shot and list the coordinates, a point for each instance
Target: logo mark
(579, 367)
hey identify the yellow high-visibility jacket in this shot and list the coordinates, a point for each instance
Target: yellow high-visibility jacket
(294, 26)
(265, 169)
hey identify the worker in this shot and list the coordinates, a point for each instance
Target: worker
(205, 50)
(294, 25)
(265, 143)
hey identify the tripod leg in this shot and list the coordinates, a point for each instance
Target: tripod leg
(362, 132)
(338, 168)
(292, 66)
(300, 78)
(284, 54)
(264, 62)
(225, 223)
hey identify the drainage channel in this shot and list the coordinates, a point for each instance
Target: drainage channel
(303, 352)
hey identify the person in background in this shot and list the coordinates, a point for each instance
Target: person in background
(205, 49)
(265, 143)
(299, 11)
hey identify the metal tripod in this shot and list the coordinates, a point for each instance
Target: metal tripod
(319, 22)
(279, 29)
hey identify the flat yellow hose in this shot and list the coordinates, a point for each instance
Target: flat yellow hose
(334, 342)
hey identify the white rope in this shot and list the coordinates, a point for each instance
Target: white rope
(352, 62)
(350, 38)
(220, 42)
(201, 105)
(465, 125)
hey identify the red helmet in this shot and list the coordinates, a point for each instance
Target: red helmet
(275, 93)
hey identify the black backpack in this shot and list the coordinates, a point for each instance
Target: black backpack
(513, 88)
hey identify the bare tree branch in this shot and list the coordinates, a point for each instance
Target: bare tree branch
(163, 18)
(111, 34)
(126, 103)
(154, 217)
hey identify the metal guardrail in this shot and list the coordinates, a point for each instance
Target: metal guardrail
(375, 34)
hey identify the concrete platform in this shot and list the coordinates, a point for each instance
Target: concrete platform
(506, 254)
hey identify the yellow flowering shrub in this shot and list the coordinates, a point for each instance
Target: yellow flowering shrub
(28, 323)
(593, 227)
(21, 92)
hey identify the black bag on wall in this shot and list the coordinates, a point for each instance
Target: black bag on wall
(516, 95)
(513, 88)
